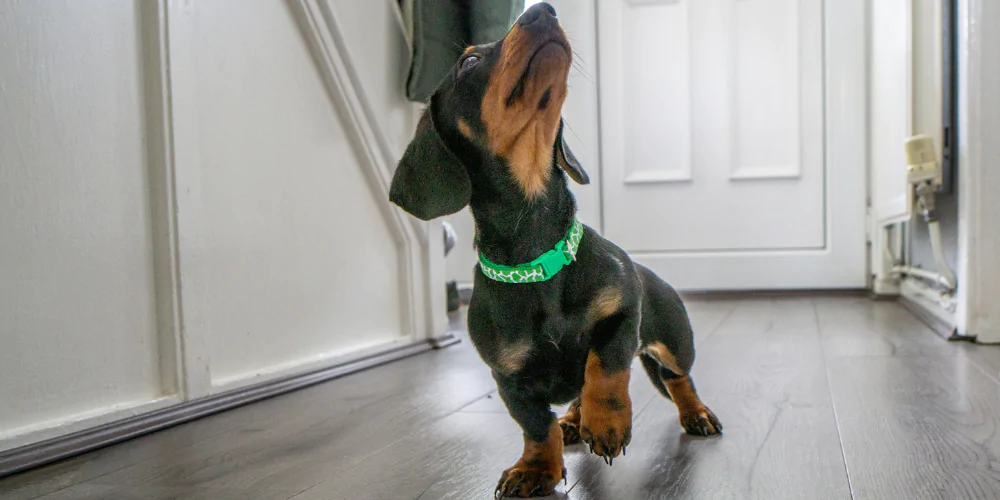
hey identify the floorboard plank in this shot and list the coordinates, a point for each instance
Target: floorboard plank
(459, 457)
(861, 327)
(919, 418)
(918, 428)
(986, 357)
(101, 492)
(641, 391)
(302, 441)
(767, 316)
(707, 315)
(780, 441)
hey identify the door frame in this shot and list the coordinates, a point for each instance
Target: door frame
(843, 262)
(978, 312)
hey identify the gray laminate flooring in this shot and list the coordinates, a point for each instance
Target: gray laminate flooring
(821, 397)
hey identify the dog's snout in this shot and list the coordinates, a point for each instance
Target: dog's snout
(538, 11)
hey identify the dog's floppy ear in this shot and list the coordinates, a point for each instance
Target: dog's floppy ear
(567, 161)
(430, 181)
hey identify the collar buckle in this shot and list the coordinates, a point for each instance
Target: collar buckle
(554, 260)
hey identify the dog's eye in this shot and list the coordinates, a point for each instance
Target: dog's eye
(467, 64)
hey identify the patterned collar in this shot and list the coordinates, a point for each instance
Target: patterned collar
(541, 269)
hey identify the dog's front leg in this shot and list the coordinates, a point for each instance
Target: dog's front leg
(541, 465)
(605, 405)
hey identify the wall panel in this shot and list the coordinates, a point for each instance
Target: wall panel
(78, 334)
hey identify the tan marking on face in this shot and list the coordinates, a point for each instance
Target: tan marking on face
(521, 133)
(665, 357)
(607, 302)
(465, 129)
(468, 49)
(513, 357)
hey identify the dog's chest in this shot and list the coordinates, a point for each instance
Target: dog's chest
(556, 377)
(548, 361)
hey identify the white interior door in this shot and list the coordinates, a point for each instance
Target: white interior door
(732, 133)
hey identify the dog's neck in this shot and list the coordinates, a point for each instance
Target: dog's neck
(512, 230)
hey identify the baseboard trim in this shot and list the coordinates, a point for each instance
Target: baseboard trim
(939, 326)
(63, 447)
(772, 294)
(912, 300)
(883, 297)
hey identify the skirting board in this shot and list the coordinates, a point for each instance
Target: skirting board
(939, 326)
(60, 448)
(771, 294)
(912, 297)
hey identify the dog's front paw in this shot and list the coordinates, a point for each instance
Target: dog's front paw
(700, 422)
(695, 417)
(606, 428)
(570, 423)
(535, 479)
(571, 431)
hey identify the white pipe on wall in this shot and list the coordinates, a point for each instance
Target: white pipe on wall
(934, 230)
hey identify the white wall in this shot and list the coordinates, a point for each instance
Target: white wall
(170, 232)
(890, 106)
(927, 116)
(293, 236)
(77, 313)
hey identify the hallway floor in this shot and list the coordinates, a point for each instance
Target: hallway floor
(831, 397)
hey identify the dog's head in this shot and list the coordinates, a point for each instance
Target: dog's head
(494, 120)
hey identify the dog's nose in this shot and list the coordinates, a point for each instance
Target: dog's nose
(536, 12)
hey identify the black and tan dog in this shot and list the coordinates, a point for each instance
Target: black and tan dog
(491, 138)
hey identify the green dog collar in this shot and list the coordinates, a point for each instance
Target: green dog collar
(541, 269)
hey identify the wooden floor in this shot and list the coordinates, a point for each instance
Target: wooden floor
(833, 397)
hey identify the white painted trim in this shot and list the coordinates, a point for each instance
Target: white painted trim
(321, 29)
(181, 93)
(927, 298)
(658, 177)
(435, 280)
(888, 212)
(40, 431)
(883, 259)
(350, 81)
(979, 175)
(766, 173)
(651, 2)
(895, 210)
(159, 144)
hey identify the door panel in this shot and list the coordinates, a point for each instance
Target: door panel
(655, 108)
(714, 121)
